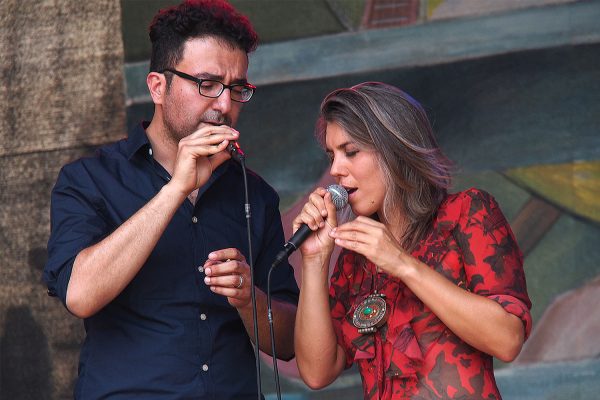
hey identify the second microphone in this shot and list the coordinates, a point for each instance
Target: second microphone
(339, 196)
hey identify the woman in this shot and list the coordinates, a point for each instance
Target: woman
(429, 286)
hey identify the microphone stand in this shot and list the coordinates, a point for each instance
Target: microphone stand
(238, 154)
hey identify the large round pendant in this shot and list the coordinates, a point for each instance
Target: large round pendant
(370, 314)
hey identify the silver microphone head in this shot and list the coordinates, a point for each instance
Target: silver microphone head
(339, 196)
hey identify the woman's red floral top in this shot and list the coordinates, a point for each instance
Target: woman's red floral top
(415, 356)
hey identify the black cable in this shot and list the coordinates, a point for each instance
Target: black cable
(339, 196)
(271, 330)
(242, 160)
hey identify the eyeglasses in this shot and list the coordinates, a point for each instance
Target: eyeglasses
(213, 89)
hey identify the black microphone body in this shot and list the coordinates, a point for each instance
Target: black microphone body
(236, 151)
(339, 197)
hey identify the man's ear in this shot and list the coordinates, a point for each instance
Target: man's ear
(157, 85)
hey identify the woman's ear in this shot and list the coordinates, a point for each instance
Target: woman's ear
(157, 85)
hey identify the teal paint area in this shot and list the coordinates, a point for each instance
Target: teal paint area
(509, 196)
(273, 20)
(493, 113)
(488, 114)
(566, 258)
(556, 381)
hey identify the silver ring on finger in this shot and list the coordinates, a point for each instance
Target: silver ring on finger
(239, 285)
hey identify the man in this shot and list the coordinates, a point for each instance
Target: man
(149, 242)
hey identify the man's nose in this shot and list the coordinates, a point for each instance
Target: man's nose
(223, 102)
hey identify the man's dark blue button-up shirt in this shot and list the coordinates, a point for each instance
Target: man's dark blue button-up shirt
(166, 336)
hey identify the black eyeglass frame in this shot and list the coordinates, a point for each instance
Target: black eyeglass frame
(199, 82)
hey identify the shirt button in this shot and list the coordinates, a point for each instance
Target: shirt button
(150, 151)
(194, 219)
(203, 317)
(205, 368)
(201, 269)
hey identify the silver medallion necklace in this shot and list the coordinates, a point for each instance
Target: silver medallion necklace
(371, 314)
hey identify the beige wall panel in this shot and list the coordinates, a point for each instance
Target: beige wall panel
(62, 93)
(61, 83)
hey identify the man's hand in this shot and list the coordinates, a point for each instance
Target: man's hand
(199, 154)
(228, 274)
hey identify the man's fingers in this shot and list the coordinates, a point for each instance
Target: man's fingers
(219, 158)
(215, 134)
(226, 254)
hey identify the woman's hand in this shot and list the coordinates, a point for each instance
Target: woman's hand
(373, 240)
(319, 357)
(319, 214)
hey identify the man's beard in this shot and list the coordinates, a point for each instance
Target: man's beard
(177, 132)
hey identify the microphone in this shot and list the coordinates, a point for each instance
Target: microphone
(339, 196)
(236, 151)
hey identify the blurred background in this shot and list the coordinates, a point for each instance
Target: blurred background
(512, 88)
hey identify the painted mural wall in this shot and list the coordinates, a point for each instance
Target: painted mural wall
(522, 125)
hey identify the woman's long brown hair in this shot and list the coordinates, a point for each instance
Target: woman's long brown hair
(385, 119)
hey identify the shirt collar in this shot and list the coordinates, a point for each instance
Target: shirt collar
(137, 139)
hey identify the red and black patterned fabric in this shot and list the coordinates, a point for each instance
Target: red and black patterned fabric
(415, 356)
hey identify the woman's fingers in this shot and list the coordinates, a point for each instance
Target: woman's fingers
(314, 211)
(369, 238)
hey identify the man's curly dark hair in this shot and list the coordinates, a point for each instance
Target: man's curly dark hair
(173, 26)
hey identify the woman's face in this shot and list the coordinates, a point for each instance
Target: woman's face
(356, 169)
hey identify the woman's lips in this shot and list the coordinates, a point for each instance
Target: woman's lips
(351, 191)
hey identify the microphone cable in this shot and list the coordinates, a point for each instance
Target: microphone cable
(271, 330)
(237, 153)
(339, 196)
